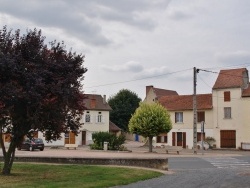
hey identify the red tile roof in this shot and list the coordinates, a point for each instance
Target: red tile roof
(232, 78)
(164, 92)
(185, 102)
(95, 102)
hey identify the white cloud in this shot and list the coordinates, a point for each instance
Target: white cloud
(130, 66)
(160, 36)
(233, 58)
(156, 72)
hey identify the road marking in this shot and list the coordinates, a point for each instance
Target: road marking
(228, 162)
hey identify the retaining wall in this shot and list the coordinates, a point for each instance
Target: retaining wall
(161, 164)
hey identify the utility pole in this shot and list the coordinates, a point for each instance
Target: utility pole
(195, 112)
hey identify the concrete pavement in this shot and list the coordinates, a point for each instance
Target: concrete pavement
(137, 151)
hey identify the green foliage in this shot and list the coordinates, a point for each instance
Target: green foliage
(150, 120)
(124, 103)
(114, 142)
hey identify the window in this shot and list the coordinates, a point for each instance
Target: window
(227, 112)
(87, 117)
(66, 135)
(99, 117)
(227, 96)
(178, 117)
(200, 116)
(163, 138)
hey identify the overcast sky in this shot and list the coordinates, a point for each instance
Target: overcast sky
(129, 44)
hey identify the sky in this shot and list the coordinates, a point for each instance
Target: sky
(130, 44)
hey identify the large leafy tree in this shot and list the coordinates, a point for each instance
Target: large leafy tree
(40, 89)
(124, 104)
(150, 120)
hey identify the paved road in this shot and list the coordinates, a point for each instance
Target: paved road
(213, 169)
(205, 172)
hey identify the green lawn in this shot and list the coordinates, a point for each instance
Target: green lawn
(73, 176)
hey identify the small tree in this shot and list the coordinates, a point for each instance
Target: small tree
(123, 105)
(150, 120)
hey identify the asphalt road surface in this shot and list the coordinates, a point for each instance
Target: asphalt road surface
(192, 172)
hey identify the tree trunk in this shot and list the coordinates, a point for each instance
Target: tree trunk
(9, 157)
(150, 144)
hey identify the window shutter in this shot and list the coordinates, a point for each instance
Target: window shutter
(201, 116)
(103, 119)
(165, 139)
(227, 96)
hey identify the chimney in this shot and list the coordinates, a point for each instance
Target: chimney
(92, 103)
(148, 88)
(104, 99)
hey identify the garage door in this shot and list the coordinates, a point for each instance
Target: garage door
(228, 139)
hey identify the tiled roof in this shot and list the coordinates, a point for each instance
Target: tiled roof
(113, 127)
(232, 78)
(185, 102)
(164, 92)
(95, 102)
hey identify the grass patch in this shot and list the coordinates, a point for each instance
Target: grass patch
(45, 175)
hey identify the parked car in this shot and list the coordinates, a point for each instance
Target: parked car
(205, 145)
(32, 144)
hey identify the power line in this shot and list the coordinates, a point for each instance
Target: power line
(222, 73)
(114, 83)
(204, 81)
(238, 65)
(204, 70)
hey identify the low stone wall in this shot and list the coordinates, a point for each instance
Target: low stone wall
(161, 164)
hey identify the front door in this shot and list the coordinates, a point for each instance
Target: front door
(179, 138)
(228, 139)
(83, 137)
(69, 138)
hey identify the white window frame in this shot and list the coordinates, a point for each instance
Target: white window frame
(227, 113)
(87, 118)
(99, 118)
(178, 117)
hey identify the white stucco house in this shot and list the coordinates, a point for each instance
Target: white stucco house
(225, 112)
(95, 119)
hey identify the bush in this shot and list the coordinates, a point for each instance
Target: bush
(210, 141)
(114, 142)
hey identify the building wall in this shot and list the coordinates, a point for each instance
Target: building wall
(245, 133)
(93, 125)
(238, 118)
(89, 127)
(150, 96)
(187, 126)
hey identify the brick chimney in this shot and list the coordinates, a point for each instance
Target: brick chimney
(148, 88)
(104, 99)
(92, 103)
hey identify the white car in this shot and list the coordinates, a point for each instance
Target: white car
(205, 145)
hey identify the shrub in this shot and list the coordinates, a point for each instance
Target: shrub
(210, 141)
(114, 142)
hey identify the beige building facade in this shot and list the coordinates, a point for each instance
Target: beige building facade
(225, 112)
